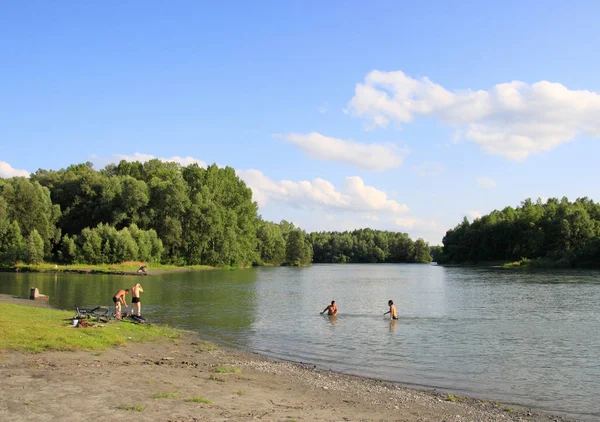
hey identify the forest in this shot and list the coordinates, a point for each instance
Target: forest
(163, 212)
(555, 233)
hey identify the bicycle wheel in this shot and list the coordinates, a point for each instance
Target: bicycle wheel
(99, 311)
(81, 313)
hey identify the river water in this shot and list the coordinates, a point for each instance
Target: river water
(530, 338)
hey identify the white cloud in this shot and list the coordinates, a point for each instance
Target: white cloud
(354, 195)
(369, 217)
(429, 230)
(376, 157)
(456, 137)
(6, 171)
(513, 119)
(474, 214)
(416, 223)
(322, 109)
(430, 169)
(486, 182)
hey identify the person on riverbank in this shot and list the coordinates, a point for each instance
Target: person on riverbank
(392, 311)
(135, 299)
(331, 309)
(119, 298)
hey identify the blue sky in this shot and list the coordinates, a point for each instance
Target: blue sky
(403, 116)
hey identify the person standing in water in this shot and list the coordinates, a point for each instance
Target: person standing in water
(119, 298)
(331, 309)
(135, 300)
(392, 311)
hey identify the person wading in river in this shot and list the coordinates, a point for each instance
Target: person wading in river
(331, 309)
(392, 311)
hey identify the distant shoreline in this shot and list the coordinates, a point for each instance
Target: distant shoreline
(102, 269)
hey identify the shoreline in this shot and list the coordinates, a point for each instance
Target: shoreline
(91, 270)
(41, 386)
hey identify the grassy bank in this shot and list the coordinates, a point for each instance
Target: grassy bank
(483, 264)
(526, 263)
(24, 328)
(129, 267)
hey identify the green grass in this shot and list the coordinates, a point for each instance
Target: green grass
(455, 397)
(132, 407)
(164, 395)
(127, 266)
(227, 370)
(198, 399)
(207, 346)
(24, 328)
(523, 262)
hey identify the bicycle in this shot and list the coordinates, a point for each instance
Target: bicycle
(100, 313)
(126, 315)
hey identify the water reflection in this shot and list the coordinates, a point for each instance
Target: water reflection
(209, 301)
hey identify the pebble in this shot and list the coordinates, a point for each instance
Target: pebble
(381, 393)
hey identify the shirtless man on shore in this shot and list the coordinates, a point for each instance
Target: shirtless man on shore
(331, 309)
(135, 299)
(392, 311)
(119, 298)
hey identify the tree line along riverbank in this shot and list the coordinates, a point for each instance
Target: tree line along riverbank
(162, 213)
(552, 234)
(165, 214)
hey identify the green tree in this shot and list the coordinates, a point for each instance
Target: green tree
(271, 245)
(35, 248)
(436, 253)
(30, 205)
(421, 252)
(90, 247)
(125, 248)
(142, 240)
(298, 249)
(12, 246)
(68, 250)
(558, 232)
(131, 201)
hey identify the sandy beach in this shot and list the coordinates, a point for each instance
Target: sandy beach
(168, 381)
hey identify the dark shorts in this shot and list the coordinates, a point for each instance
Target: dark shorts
(115, 299)
(135, 300)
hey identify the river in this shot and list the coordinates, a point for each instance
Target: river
(530, 338)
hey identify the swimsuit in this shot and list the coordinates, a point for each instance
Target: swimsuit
(135, 300)
(115, 299)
